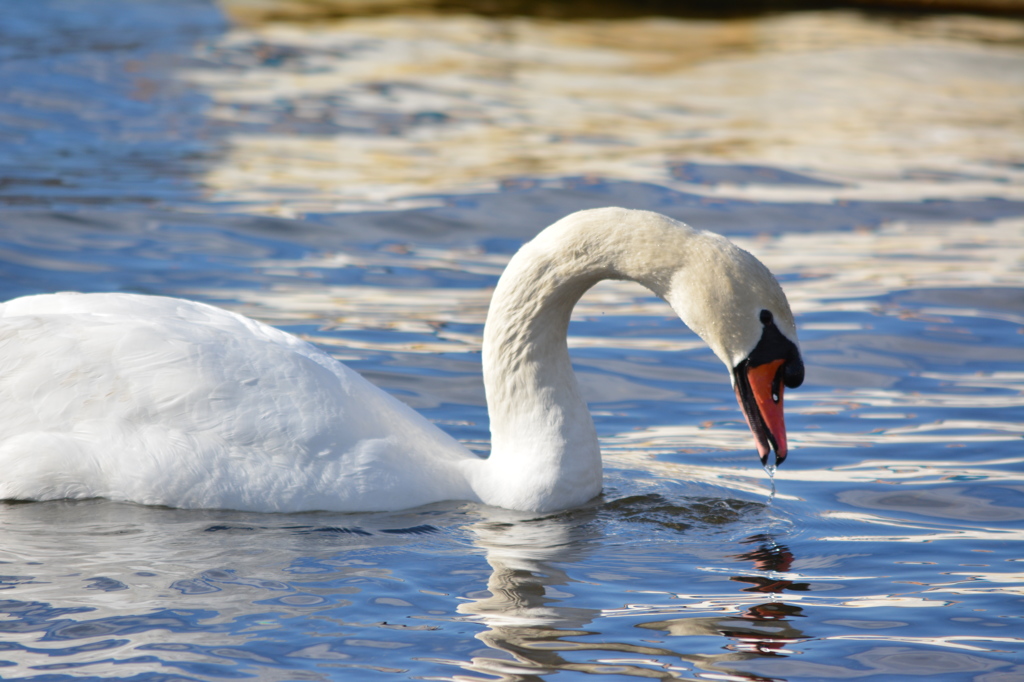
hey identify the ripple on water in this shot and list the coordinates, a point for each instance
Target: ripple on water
(363, 183)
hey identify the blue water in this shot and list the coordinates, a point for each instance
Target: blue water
(890, 551)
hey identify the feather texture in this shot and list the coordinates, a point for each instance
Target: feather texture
(170, 402)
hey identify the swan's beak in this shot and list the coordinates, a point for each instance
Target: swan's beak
(759, 392)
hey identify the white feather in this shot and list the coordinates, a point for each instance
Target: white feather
(170, 402)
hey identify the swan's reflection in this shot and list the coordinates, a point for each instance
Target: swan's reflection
(533, 620)
(537, 615)
(762, 629)
(524, 607)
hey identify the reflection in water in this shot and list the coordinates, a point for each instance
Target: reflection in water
(771, 558)
(120, 588)
(523, 608)
(760, 630)
(894, 541)
(529, 614)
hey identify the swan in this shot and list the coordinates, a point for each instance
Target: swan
(163, 401)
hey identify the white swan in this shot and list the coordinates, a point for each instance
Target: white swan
(169, 402)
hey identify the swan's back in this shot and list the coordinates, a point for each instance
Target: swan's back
(165, 401)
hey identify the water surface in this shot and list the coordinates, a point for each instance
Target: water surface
(362, 183)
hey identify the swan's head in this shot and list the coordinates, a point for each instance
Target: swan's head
(759, 379)
(736, 305)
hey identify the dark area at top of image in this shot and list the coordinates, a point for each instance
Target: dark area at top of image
(601, 9)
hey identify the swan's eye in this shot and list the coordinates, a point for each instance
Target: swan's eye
(766, 317)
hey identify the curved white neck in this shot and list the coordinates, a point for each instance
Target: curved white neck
(544, 449)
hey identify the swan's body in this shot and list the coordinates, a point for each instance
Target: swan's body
(164, 401)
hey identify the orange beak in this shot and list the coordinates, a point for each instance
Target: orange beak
(759, 392)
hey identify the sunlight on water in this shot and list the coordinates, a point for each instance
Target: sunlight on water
(390, 107)
(873, 162)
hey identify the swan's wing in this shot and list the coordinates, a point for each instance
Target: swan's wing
(163, 401)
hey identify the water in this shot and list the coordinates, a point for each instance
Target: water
(363, 183)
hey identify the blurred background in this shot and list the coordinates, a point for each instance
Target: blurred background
(289, 107)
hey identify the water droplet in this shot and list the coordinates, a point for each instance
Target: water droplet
(770, 468)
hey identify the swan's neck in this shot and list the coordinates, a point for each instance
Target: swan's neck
(544, 449)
